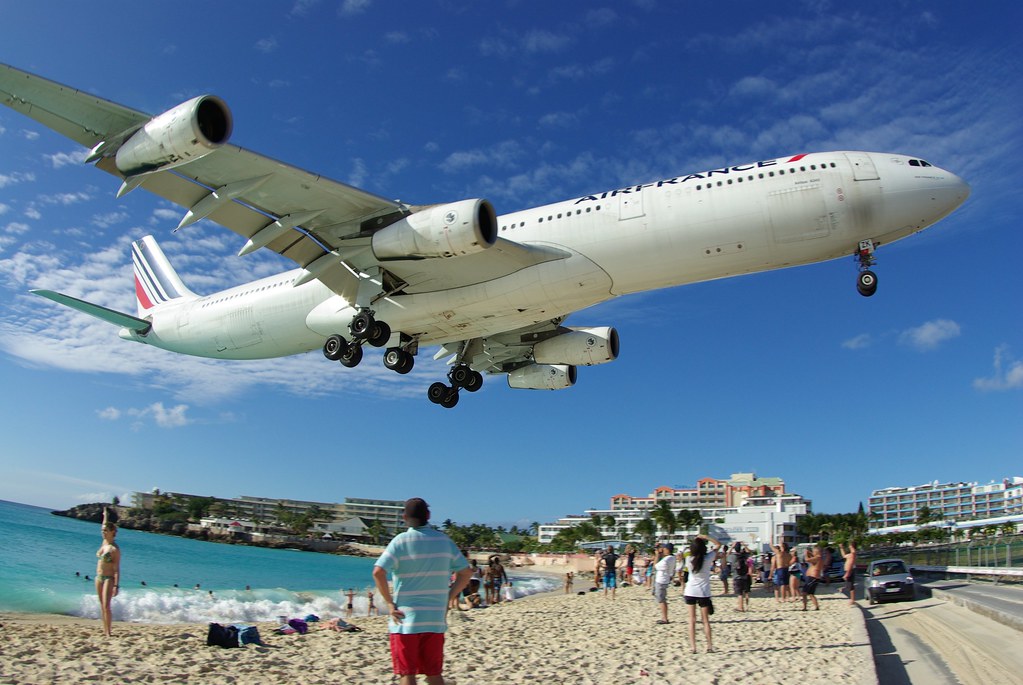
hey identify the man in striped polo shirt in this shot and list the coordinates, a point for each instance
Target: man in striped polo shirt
(421, 561)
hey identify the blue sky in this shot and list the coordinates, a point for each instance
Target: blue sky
(789, 373)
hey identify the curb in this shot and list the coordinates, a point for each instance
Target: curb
(1002, 617)
(861, 637)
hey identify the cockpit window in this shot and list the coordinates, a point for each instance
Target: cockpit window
(919, 162)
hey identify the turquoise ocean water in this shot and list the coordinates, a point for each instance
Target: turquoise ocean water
(43, 553)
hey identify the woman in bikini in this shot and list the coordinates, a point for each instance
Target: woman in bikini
(108, 571)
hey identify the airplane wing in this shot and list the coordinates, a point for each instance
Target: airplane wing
(296, 213)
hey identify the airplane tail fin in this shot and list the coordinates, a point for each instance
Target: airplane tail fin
(156, 282)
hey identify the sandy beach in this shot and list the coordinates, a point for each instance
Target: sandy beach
(549, 638)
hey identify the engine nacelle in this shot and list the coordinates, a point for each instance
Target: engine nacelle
(542, 377)
(579, 346)
(191, 130)
(449, 230)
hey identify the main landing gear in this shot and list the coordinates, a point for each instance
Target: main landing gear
(364, 329)
(866, 281)
(461, 377)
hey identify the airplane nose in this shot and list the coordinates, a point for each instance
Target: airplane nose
(955, 191)
(963, 188)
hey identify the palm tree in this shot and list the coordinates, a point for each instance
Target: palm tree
(664, 517)
(647, 530)
(375, 530)
(925, 515)
(587, 530)
(688, 519)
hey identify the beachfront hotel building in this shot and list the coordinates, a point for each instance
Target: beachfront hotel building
(952, 503)
(746, 508)
(264, 509)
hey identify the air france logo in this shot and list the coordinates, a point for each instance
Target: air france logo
(682, 179)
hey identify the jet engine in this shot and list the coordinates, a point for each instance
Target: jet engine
(578, 346)
(450, 230)
(180, 135)
(542, 377)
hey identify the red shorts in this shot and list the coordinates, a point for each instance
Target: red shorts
(417, 653)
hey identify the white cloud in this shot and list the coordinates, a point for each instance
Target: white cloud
(357, 177)
(349, 7)
(62, 159)
(929, 335)
(173, 417)
(109, 219)
(558, 120)
(1008, 373)
(502, 155)
(65, 198)
(266, 45)
(16, 177)
(109, 414)
(754, 86)
(859, 342)
(162, 214)
(535, 42)
(541, 41)
(301, 7)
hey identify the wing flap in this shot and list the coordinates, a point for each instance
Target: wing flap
(109, 315)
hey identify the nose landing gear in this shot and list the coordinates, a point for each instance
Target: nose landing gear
(866, 280)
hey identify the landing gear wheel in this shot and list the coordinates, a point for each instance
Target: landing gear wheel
(450, 400)
(397, 359)
(407, 365)
(335, 347)
(361, 325)
(379, 333)
(437, 392)
(475, 382)
(460, 376)
(352, 356)
(866, 283)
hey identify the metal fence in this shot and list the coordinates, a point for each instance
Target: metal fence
(976, 554)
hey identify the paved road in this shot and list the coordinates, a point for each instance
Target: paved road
(946, 639)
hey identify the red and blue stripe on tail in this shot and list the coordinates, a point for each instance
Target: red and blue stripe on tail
(156, 282)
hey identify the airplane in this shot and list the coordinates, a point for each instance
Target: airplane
(493, 292)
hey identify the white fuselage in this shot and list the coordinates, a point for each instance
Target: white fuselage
(712, 224)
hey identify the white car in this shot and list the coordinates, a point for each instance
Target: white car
(889, 579)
